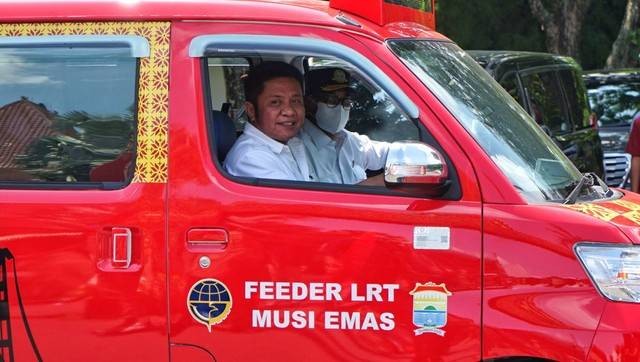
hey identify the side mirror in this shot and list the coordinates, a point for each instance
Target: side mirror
(417, 168)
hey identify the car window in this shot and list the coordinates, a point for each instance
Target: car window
(537, 169)
(424, 5)
(373, 116)
(67, 114)
(373, 113)
(545, 101)
(510, 83)
(576, 94)
(227, 92)
(615, 104)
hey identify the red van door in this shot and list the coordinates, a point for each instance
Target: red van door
(82, 192)
(274, 270)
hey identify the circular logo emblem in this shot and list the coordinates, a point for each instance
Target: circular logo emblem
(209, 302)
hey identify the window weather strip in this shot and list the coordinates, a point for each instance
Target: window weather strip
(138, 46)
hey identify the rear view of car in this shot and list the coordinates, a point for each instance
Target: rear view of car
(550, 89)
(615, 97)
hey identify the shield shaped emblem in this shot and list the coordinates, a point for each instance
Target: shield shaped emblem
(430, 308)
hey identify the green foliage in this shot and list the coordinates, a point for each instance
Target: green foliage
(490, 25)
(635, 37)
(600, 30)
(509, 25)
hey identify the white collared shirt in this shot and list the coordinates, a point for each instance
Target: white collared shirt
(255, 154)
(345, 159)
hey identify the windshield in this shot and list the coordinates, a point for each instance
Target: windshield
(615, 104)
(517, 145)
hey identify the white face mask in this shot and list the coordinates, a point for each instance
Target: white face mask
(333, 119)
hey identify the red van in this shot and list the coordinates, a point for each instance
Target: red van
(122, 238)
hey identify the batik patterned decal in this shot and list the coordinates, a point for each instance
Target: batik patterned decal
(620, 211)
(153, 88)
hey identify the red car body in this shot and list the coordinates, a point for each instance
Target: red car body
(515, 286)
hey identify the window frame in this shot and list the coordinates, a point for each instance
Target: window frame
(583, 122)
(234, 45)
(138, 48)
(519, 87)
(553, 71)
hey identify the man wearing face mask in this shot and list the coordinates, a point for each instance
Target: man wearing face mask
(337, 155)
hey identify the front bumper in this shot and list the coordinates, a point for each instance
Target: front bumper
(618, 335)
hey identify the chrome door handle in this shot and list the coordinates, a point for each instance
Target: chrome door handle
(207, 239)
(121, 247)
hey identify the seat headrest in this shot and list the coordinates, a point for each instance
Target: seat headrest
(224, 133)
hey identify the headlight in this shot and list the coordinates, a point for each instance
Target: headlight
(615, 270)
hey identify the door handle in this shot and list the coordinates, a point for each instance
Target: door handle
(118, 251)
(207, 239)
(121, 245)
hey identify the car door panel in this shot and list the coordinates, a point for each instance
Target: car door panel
(352, 252)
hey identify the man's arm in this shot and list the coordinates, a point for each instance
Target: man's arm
(633, 148)
(635, 173)
(370, 155)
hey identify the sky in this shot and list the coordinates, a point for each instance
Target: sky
(97, 81)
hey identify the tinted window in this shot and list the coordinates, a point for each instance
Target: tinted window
(424, 5)
(67, 114)
(510, 84)
(576, 97)
(546, 103)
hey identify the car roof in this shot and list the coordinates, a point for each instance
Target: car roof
(128, 10)
(614, 76)
(493, 59)
(314, 12)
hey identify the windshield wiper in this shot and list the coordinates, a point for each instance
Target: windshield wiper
(588, 179)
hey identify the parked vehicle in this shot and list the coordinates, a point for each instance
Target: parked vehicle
(615, 98)
(550, 89)
(122, 238)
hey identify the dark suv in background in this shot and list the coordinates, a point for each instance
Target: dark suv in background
(550, 89)
(615, 97)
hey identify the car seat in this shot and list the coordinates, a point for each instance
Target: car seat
(224, 133)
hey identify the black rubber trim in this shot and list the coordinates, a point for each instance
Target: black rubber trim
(43, 185)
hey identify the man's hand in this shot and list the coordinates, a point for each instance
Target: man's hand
(377, 180)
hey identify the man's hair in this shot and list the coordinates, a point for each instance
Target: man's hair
(264, 72)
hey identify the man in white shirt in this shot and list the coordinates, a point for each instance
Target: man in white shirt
(270, 147)
(335, 154)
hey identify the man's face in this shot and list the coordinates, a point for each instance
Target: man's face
(280, 109)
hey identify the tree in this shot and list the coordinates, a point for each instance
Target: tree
(489, 25)
(626, 48)
(562, 23)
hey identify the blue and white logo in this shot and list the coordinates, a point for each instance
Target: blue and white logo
(430, 308)
(209, 302)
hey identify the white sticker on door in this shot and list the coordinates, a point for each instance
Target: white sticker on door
(431, 238)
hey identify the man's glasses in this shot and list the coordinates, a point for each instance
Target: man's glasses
(333, 101)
